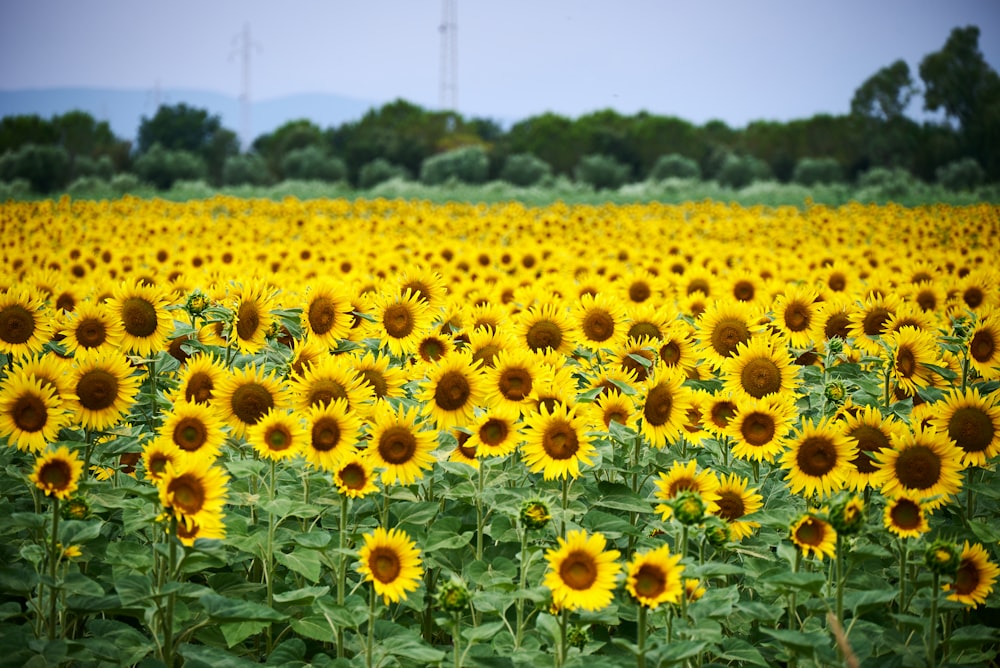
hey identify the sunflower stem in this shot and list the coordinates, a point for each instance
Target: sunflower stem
(151, 368)
(641, 638)
(53, 561)
(457, 638)
(888, 377)
(269, 557)
(561, 654)
(970, 495)
(903, 550)
(755, 466)
(168, 617)
(791, 594)
(839, 565)
(932, 632)
(521, 585)
(479, 513)
(565, 504)
(370, 644)
(87, 453)
(341, 569)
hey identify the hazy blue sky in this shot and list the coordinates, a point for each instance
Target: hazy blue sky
(736, 60)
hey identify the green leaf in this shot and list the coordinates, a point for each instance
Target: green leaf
(237, 632)
(803, 642)
(79, 584)
(862, 601)
(790, 581)
(411, 647)
(304, 562)
(302, 596)
(134, 589)
(482, 632)
(986, 533)
(736, 649)
(206, 656)
(289, 652)
(678, 651)
(222, 609)
(619, 497)
(314, 627)
(316, 539)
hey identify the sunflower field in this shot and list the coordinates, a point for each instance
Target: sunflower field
(383, 432)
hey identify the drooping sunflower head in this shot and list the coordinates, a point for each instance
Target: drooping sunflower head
(57, 472)
(581, 572)
(976, 575)
(391, 561)
(654, 577)
(814, 535)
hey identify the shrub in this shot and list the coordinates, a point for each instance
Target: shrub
(102, 167)
(90, 187)
(123, 184)
(46, 168)
(468, 164)
(812, 171)
(739, 171)
(601, 172)
(881, 184)
(964, 174)
(312, 164)
(380, 170)
(525, 169)
(674, 166)
(248, 168)
(17, 189)
(162, 167)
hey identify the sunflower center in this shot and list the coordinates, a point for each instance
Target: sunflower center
(629, 363)
(731, 506)
(837, 282)
(397, 445)
(452, 391)
(187, 494)
(431, 349)
(905, 514)
(598, 325)
(918, 467)
(639, 291)
(837, 325)
(324, 390)
(29, 413)
(353, 476)
(384, 565)
(698, 285)
(971, 429)
(157, 464)
(325, 434)
(650, 581)
(973, 297)
(544, 334)
(91, 333)
(199, 388)
(398, 321)
(870, 440)
(817, 456)
(559, 441)
(797, 317)
(670, 353)
(493, 432)
(277, 438)
(640, 330)
(190, 434)
(728, 334)
(467, 451)
(138, 317)
(487, 354)
(681, 485)
(376, 380)
(722, 412)
(927, 300)
(615, 415)
(515, 383)
(578, 570)
(758, 429)
(250, 402)
(659, 405)
(874, 321)
(419, 290)
(17, 324)
(760, 377)
(322, 315)
(810, 532)
(967, 578)
(56, 474)
(906, 363)
(982, 346)
(247, 320)
(744, 291)
(97, 389)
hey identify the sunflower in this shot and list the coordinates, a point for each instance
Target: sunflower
(25, 323)
(684, 478)
(514, 378)
(906, 517)
(488, 316)
(142, 311)
(195, 429)
(736, 501)
(252, 304)
(760, 367)
(759, 427)
(868, 323)
(246, 394)
(454, 387)
(663, 404)
(278, 435)
(795, 312)
(984, 346)
(104, 389)
(390, 560)
(647, 321)
(495, 433)
(355, 477)
(91, 328)
(326, 313)
(871, 432)
(818, 459)
(912, 351)
(676, 348)
(329, 378)
(156, 455)
(975, 577)
(400, 445)
(972, 422)
(599, 321)
(333, 433)
(206, 527)
(814, 535)
(654, 577)
(613, 406)
(30, 412)
(199, 379)
(543, 327)
(640, 287)
(556, 443)
(428, 287)
(485, 344)
(431, 347)
(718, 412)
(57, 472)
(581, 572)
(194, 491)
(724, 325)
(923, 463)
(399, 321)
(463, 452)
(833, 320)
(51, 369)
(385, 380)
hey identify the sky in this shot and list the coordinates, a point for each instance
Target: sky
(732, 60)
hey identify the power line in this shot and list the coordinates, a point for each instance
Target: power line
(244, 46)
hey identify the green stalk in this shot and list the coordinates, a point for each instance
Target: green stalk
(479, 513)
(269, 557)
(903, 556)
(521, 585)
(87, 453)
(932, 635)
(561, 654)
(341, 570)
(565, 504)
(168, 618)
(152, 394)
(53, 561)
(370, 644)
(641, 638)
(791, 594)
(458, 638)
(839, 564)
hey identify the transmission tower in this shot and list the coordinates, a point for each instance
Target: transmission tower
(243, 46)
(449, 55)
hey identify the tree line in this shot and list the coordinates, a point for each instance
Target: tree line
(604, 148)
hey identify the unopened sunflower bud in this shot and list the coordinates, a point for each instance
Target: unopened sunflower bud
(689, 507)
(75, 508)
(453, 596)
(578, 636)
(835, 392)
(196, 303)
(943, 557)
(716, 531)
(847, 516)
(535, 514)
(835, 345)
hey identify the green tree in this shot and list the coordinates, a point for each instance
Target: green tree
(550, 137)
(886, 94)
(183, 128)
(274, 146)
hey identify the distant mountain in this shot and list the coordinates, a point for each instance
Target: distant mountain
(124, 109)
